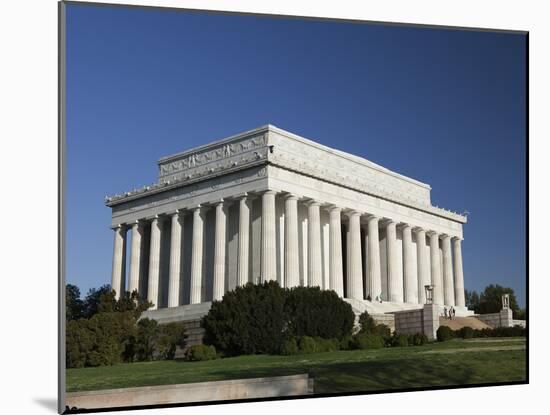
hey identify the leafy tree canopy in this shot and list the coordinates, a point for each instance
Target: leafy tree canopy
(490, 300)
(74, 306)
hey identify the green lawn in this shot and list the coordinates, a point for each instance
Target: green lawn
(456, 362)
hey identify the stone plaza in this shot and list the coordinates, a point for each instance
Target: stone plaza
(268, 204)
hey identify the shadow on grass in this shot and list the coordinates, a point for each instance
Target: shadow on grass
(382, 374)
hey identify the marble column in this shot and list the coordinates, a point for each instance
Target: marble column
(219, 252)
(292, 259)
(268, 258)
(355, 266)
(448, 284)
(458, 273)
(135, 256)
(175, 260)
(314, 266)
(196, 256)
(409, 272)
(118, 276)
(435, 266)
(244, 235)
(374, 279)
(154, 263)
(423, 267)
(395, 281)
(335, 251)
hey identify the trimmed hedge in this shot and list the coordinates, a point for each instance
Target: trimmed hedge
(308, 344)
(327, 345)
(466, 332)
(200, 352)
(445, 333)
(290, 347)
(399, 340)
(369, 341)
(418, 339)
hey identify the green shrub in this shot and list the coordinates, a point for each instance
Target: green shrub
(260, 318)
(327, 345)
(419, 339)
(290, 347)
(466, 332)
(307, 345)
(348, 343)
(366, 323)
(317, 313)
(146, 339)
(200, 352)
(382, 330)
(249, 320)
(369, 341)
(444, 333)
(515, 331)
(170, 336)
(399, 340)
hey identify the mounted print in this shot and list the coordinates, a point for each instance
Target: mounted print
(259, 207)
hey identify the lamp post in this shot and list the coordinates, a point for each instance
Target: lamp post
(429, 293)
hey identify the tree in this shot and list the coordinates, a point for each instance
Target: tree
(521, 314)
(106, 331)
(146, 338)
(490, 300)
(472, 300)
(93, 298)
(170, 337)
(74, 306)
(126, 302)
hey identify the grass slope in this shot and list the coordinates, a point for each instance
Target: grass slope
(456, 362)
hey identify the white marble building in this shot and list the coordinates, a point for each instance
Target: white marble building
(267, 204)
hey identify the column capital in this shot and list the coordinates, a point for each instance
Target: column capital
(217, 202)
(291, 196)
(371, 217)
(418, 229)
(390, 222)
(334, 208)
(457, 239)
(445, 236)
(269, 192)
(120, 226)
(312, 202)
(352, 212)
(404, 225)
(176, 212)
(431, 233)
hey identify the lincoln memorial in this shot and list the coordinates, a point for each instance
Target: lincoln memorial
(268, 204)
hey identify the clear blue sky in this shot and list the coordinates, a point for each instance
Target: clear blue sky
(442, 106)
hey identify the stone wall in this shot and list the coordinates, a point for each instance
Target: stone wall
(425, 321)
(295, 385)
(387, 319)
(409, 322)
(521, 323)
(500, 319)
